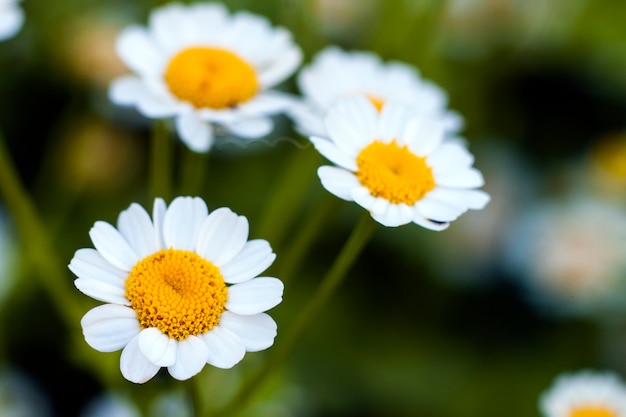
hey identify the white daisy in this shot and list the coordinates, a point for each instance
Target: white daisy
(585, 394)
(335, 74)
(203, 66)
(11, 18)
(181, 289)
(395, 164)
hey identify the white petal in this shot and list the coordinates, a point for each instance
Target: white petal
(352, 123)
(391, 122)
(462, 178)
(460, 198)
(257, 332)
(394, 215)
(125, 90)
(428, 224)
(440, 212)
(182, 222)
(192, 354)
(194, 132)
(157, 347)
(363, 198)
(158, 214)
(450, 156)
(422, 135)
(254, 296)
(12, 20)
(334, 154)
(112, 246)
(137, 50)
(102, 291)
(134, 365)
(88, 263)
(225, 348)
(222, 235)
(135, 225)
(255, 257)
(109, 327)
(251, 128)
(268, 103)
(338, 181)
(281, 69)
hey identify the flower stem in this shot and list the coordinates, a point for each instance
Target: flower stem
(357, 240)
(161, 157)
(193, 170)
(36, 241)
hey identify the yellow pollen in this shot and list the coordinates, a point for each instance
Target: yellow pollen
(378, 102)
(178, 292)
(211, 78)
(394, 173)
(592, 412)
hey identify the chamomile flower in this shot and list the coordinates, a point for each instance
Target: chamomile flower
(11, 18)
(335, 74)
(395, 164)
(204, 67)
(585, 394)
(181, 290)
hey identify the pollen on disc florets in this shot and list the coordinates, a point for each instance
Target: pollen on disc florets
(178, 292)
(210, 78)
(394, 173)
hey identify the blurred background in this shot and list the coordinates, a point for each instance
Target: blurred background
(475, 321)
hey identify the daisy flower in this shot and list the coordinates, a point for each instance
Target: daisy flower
(181, 290)
(11, 18)
(204, 67)
(585, 394)
(395, 164)
(335, 74)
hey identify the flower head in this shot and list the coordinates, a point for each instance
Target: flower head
(396, 164)
(336, 74)
(585, 394)
(11, 18)
(203, 66)
(181, 289)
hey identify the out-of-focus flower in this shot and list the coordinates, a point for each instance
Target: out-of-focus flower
(94, 156)
(181, 289)
(7, 255)
(396, 164)
(585, 394)
(204, 67)
(111, 405)
(606, 169)
(88, 50)
(475, 27)
(11, 18)
(336, 74)
(20, 396)
(570, 256)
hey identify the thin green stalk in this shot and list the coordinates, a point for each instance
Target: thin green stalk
(288, 196)
(193, 169)
(161, 158)
(325, 206)
(340, 267)
(51, 271)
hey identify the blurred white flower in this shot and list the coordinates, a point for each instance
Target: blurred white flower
(585, 394)
(111, 405)
(571, 256)
(336, 74)
(11, 18)
(204, 67)
(20, 397)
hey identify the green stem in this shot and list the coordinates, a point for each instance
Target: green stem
(193, 171)
(161, 157)
(36, 242)
(325, 206)
(335, 275)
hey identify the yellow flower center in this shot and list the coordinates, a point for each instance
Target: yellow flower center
(178, 292)
(394, 173)
(378, 102)
(592, 412)
(210, 77)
